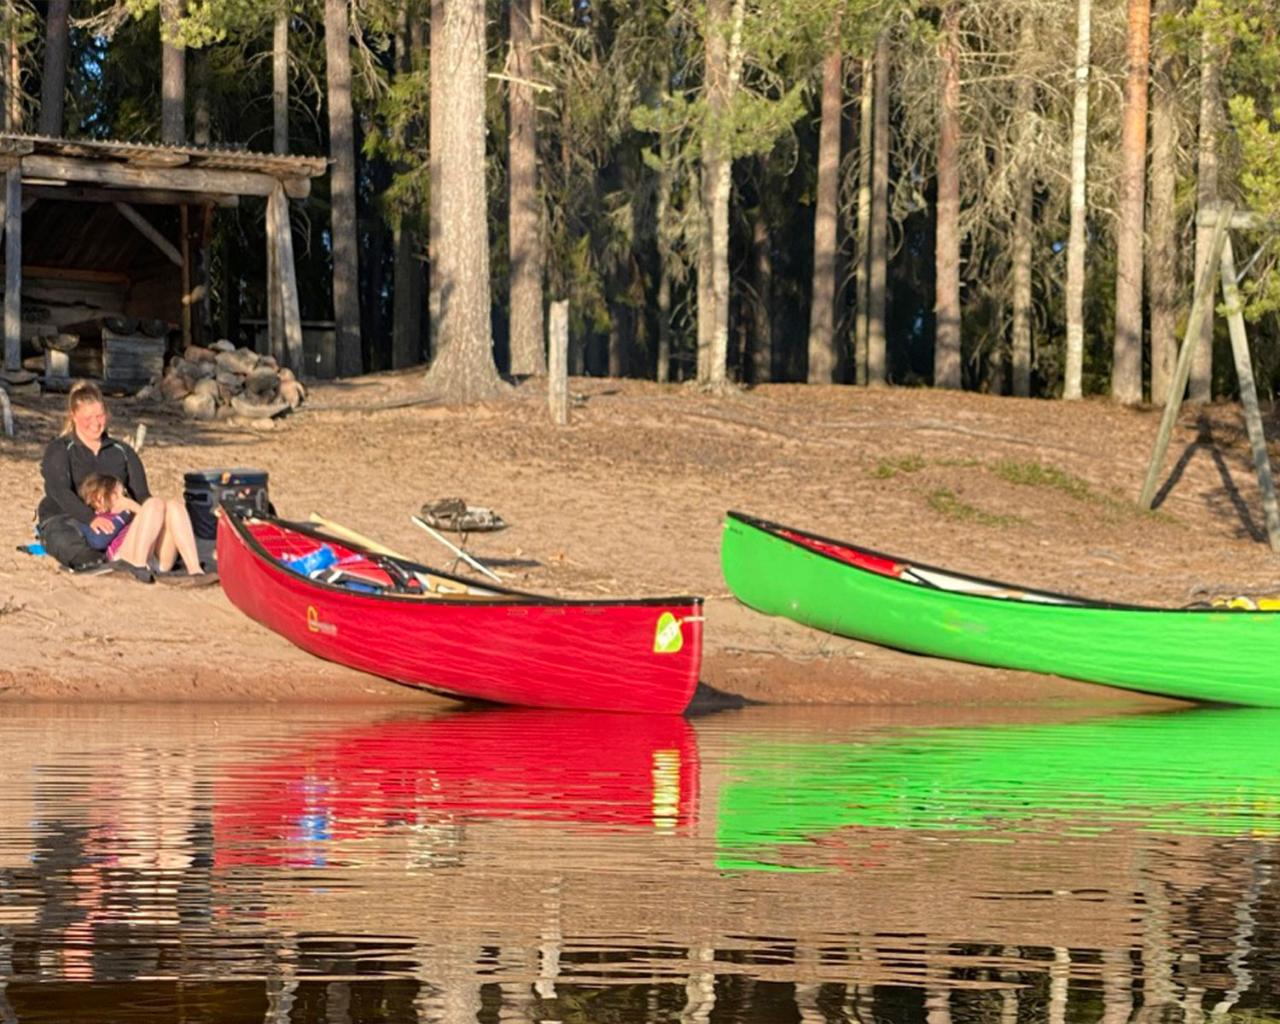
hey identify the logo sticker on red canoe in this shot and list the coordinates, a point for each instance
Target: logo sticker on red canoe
(314, 625)
(668, 638)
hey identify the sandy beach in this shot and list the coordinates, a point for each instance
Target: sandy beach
(629, 500)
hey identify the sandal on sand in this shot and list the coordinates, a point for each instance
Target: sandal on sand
(185, 579)
(124, 568)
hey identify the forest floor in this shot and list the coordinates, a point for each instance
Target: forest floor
(629, 500)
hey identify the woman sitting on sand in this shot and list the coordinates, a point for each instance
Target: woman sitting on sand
(160, 530)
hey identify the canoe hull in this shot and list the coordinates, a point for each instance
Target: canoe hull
(510, 648)
(1194, 654)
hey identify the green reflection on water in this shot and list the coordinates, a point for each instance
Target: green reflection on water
(1204, 772)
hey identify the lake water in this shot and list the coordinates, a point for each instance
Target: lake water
(184, 864)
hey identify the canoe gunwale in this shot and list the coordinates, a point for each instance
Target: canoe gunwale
(1062, 601)
(503, 595)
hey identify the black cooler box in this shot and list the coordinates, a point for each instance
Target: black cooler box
(242, 490)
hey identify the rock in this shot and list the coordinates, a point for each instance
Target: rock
(206, 386)
(269, 361)
(251, 410)
(241, 361)
(286, 374)
(174, 387)
(262, 384)
(196, 354)
(292, 393)
(233, 382)
(222, 345)
(202, 370)
(200, 406)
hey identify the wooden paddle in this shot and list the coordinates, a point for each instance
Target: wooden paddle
(346, 533)
(435, 584)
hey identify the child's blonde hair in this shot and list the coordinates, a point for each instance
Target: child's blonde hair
(97, 490)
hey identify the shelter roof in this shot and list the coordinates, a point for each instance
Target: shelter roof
(147, 155)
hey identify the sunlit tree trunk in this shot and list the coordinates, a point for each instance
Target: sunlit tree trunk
(1074, 370)
(463, 369)
(1023, 227)
(663, 369)
(1162, 227)
(723, 58)
(527, 355)
(863, 236)
(878, 243)
(173, 93)
(342, 188)
(823, 353)
(1126, 367)
(946, 353)
(53, 79)
(1200, 384)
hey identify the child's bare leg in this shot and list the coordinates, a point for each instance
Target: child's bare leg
(140, 541)
(179, 533)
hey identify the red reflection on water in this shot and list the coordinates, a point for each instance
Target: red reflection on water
(591, 768)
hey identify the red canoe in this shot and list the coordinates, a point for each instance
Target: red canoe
(422, 627)
(567, 768)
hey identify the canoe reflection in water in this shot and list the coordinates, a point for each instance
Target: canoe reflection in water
(767, 864)
(586, 768)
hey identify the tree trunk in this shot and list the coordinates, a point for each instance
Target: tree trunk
(53, 78)
(662, 372)
(1023, 229)
(200, 116)
(1200, 384)
(173, 93)
(946, 352)
(463, 369)
(861, 320)
(1162, 254)
(823, 353)
(435, 145)
(376, 346)
(13, 74)
(1126, 366)
(723, 59)
(1023, 226)
(1074, 370)
(527, 354)
(342, 189)
(762, 261)
(406, 312)
(878, 241)
(280, 81)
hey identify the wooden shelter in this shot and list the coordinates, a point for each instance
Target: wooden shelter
(104, 236)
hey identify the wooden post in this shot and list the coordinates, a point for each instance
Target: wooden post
(275, 314)
(6, 411)
(1249, 394)
(13, 268)
(558, 368)
(278, 210)
(1201, 305)
(184, 225)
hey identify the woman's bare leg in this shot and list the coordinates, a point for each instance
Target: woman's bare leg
(140, 541)
(179, 536)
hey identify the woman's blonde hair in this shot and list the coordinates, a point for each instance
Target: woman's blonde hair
(97, 490)
(82, 393)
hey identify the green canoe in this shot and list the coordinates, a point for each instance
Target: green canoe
(1203, 654)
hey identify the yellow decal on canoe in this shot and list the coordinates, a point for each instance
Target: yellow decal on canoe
(314, 625)
(668, 639)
